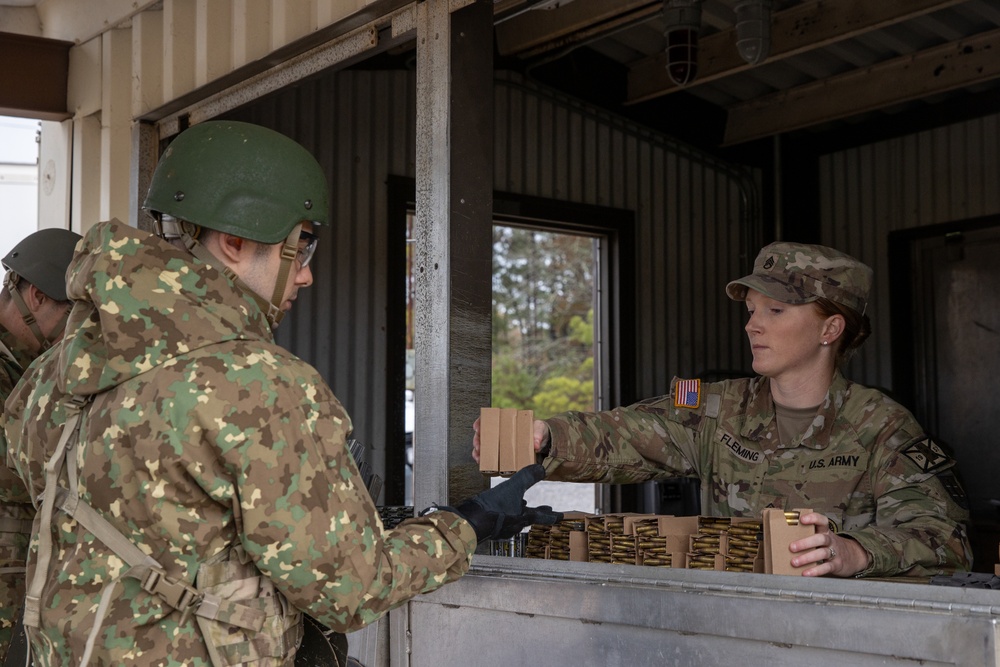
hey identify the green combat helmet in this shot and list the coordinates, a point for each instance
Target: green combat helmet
(41, 259)
(240, 179)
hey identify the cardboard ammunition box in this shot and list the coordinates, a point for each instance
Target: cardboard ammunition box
(717, 564)
(578, 546)
(713, 530)
(489, 440)
(601, 528)
(674, 531)
(524, 450)
(678, 527)
(778, 534)
(615, 523)
(577, 538)
(506, 440)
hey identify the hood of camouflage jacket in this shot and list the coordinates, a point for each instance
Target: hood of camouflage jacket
(140, 302)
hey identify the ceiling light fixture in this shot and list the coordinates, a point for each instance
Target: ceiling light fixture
(753, 30)
(683, 19)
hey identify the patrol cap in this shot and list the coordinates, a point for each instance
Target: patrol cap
(797, 273)
(42, 258)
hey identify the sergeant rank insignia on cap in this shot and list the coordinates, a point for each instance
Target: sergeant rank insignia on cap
(687, 393)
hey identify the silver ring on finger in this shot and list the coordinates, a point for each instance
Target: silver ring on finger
(833, 552)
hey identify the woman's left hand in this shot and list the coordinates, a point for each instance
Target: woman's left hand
(827, 552)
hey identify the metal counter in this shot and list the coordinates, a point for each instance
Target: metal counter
(511, 611)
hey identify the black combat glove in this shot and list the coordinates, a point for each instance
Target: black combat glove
(502, 512)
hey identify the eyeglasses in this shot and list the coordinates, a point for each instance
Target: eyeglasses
(306, 252)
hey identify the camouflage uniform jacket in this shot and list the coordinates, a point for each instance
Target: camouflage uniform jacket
(864, 462)
(17, 514)
(202, 433)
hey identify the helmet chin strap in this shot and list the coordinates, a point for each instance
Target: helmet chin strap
(169, 228)
(10, 282)
(289, 250)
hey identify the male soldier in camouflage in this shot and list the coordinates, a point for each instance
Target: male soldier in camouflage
(33, 310)
(885, 496)
(199, 493)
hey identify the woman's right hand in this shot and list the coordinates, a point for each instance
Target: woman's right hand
(541, 437)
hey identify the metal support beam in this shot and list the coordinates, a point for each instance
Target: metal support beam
(453, 249)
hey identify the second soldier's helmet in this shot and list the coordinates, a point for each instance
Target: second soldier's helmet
(42, 258)
(240, 179)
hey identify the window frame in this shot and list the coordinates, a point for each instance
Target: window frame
(616, 284)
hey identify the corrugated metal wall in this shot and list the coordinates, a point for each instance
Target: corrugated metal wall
(695, 218)
(943, 175)
(360, 125)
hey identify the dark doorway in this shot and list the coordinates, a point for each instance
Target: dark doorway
(947, 294)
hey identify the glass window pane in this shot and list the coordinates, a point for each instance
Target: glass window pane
(543, 335)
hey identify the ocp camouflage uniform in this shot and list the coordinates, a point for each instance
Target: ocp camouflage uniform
(17, 513)
(864, 462)
(202, 434)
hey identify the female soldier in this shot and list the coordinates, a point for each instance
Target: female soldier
(885, 498)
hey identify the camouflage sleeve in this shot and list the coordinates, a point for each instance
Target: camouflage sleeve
(311, 526)
(920, 512)
(645, 441)
(12, 489)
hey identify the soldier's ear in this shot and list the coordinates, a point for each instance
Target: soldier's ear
(35, 298)
(833, 328)
(232, 250)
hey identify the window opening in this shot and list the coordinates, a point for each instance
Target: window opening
(545, 343)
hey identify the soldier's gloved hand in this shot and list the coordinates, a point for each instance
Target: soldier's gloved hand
(502, 512)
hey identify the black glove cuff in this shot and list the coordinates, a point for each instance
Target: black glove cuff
(479, 519)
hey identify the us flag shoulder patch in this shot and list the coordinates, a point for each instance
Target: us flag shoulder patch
(687, 394)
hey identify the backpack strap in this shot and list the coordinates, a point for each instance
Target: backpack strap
(152, 577)
(43, 520)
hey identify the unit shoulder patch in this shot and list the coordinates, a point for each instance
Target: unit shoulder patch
(687, 394)
(954, 488)
(926, 455)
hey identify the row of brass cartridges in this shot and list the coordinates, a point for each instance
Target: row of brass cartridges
(653, 559)
(599, 534)
(739, 564)
(713, 525)
(559, 537)
(651, 545)
(744, 545)
(745, 539)
(537, 541)
(629, 549)
(701, 562)
(707, 542)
